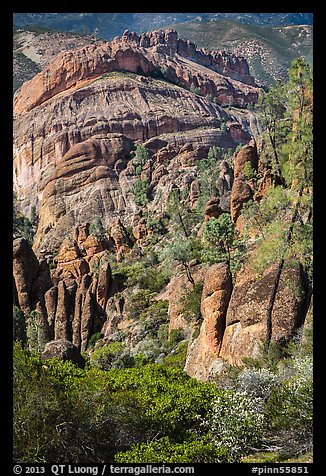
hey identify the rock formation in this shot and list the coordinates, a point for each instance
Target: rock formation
(143, 54)
(77, 127)
(204, 350)
(72, 301)
(243, 188)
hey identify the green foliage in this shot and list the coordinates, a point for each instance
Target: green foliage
(167, 451)
(142, 155)
(220, 243)
(94, 338)
(153, 315)
(113, 355)
(215, 152)
(208, 173)
(144, 274)
(97, 229)
(290, 406)
(249, 172)
(268, 358)
(183, 219)
(177, 358)
(175, 336)
(224, 127)
(19, 326)
(22, 226)
(269, 220)
(190, 303)
(141, 192)
(140, 301)
(194, 89)
(138, 170)
(36, 332)
(181, 250)
(63, 413)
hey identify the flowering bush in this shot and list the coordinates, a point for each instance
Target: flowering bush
(257, 382)
(236, 423)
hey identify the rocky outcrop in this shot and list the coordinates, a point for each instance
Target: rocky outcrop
(31, 278)
(71, 302)
(143, 54)
(173, 292)
(25, 270)
(224, 184)
(204, 350)
(235, 320)
(212, 209)
(79, 120)
(243, 188)
(81, 144)
(63, 350)
(246, 326)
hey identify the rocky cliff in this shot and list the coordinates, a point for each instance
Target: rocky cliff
(216, 72)
(80, 125)
(77, 125)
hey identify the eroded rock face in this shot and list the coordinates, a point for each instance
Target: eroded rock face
(71, 302)
(77, 127)
(204, 350)
(31, 278)
(173, 292)
(246, 326)
(143, 54)
(235, 320)
(79, 145)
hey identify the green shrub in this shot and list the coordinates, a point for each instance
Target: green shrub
(141, 192)
(19, 326)
(177, 358)
(97, 229)
(94, 338)
(290, 407)
(142, 155)
(191, 303)
(139, 302)
(36, 331)
(166, 450)
(113, 355)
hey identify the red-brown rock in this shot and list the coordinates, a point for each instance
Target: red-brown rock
(204, 351)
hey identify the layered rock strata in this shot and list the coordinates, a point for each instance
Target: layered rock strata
(75, 148)
(223, 75)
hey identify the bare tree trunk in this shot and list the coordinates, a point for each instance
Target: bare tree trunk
(189, 275)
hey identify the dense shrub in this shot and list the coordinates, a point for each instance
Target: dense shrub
(62, 413)
(113, 355)
(167, 451)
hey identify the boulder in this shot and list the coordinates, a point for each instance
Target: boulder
(64, 350)
(246, 319)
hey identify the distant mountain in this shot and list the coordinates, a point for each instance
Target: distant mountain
(108, 25)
